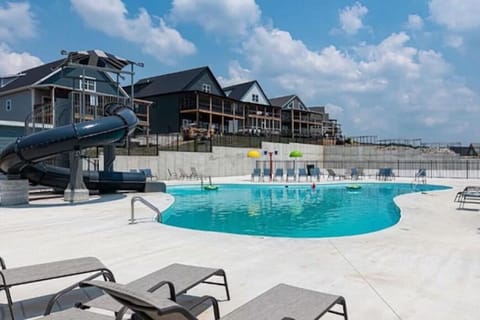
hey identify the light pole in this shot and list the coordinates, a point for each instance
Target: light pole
(270, 155)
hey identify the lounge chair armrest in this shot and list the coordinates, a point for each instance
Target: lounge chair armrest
(170, 285)
(216, 309)
(105, 273)
(2, 263)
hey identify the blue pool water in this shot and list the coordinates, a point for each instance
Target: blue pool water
(293, 211)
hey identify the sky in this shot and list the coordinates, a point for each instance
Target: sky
(397, 69)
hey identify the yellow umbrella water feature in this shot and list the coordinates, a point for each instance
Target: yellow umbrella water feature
(254, 154)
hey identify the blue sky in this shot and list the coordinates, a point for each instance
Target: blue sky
(392, 69)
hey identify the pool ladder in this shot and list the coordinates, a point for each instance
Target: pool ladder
(158, 214)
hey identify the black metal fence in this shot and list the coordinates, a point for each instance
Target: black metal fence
(461, 169)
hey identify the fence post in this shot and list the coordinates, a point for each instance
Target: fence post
(467, 167)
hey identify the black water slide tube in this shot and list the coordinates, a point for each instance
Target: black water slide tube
(24, 156)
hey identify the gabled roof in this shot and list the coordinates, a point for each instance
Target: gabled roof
(281, 101)
(171, 82)
(238, 91)
(29, 77)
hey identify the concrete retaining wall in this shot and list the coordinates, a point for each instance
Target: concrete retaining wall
(222, 161)
(13, 192)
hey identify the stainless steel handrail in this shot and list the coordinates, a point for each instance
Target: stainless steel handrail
(158, 216)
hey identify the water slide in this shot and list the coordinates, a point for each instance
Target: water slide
(24, 156)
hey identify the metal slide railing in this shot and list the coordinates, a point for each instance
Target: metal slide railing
(158, 213)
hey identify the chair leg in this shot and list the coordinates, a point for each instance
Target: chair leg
(10, 302)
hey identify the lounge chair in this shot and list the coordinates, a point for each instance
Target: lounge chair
(315, 172)
(469, 194)
(183, 174)
(257, 172)
(195, 174)
(332, 174)
(12, 277)
(290, 174)
(302, 173)
(267, 173)
(385, 174)
(421, 175)
(354, 174)
(278, 174)
(172, 174)
(280, 302)
(178, 278)
(148, 173)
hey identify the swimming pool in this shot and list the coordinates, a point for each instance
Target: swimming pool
(289, 211)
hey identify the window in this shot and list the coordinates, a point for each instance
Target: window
(87, 84)
(206, 88)
(255, 97)
(8, 105)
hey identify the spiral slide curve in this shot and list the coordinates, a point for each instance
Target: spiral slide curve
(25, 155)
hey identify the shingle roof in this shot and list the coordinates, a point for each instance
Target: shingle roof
(168, 83)
(28, 77)
(238, 91)
(281, 101)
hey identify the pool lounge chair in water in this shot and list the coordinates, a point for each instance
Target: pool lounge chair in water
(275, 303)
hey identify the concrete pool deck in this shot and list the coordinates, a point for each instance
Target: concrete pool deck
(425, 267)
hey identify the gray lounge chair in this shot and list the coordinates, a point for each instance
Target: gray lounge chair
(11, 277)
(332, 174)
(183, 174)
(177, 278)
(195, 174)
(280, 302)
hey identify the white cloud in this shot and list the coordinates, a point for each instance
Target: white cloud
(457, 15)
(415, 22)
(13, 62)
(351, 18)
(413, 93)
(155, 37)
(16, 21)
(454, 41)
(236, 74)
(226, 17)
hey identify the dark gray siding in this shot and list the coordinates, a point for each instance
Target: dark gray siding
(164, 114)
(69, 78)
(205, 78)
(21, 106)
